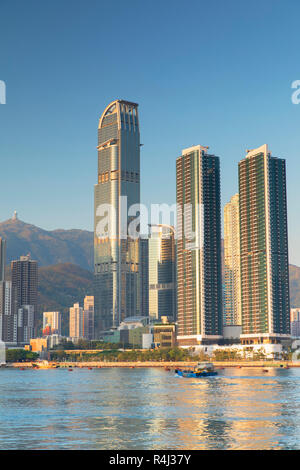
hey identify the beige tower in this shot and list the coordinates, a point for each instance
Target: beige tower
(232, 265)
(76, 321)
(88, 317)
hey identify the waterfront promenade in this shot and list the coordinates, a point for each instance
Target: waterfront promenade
(162, 364)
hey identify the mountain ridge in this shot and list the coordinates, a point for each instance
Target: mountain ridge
(48, 247)
(67, 254)
(60, 286)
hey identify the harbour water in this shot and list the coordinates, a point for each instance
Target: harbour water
(151, 408)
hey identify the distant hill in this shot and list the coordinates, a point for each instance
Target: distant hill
(294, 281)
(65, 260)
(48, 247)
(60, 286)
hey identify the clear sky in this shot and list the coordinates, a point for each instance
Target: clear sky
(215, 73)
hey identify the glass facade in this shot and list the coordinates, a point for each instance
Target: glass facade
(144, 277)
(199, 279)
(264, 245)
(116, 258)
(162, 286)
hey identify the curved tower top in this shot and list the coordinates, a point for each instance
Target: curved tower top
(115, 255)
(119, 110)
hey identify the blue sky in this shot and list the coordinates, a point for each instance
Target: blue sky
(215, 73)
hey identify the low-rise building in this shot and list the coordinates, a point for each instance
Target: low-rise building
(38, 345)
(164, 334)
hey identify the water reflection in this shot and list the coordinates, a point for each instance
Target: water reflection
(149, 409)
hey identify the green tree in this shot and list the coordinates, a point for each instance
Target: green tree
(20, 355)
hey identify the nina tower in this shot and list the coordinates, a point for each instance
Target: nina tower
(116, 256)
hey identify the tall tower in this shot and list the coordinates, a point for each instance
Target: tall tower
(7, 321)
(144, 277)
(24, 278)
(2, 258)
(162, 286)
(76, 321)
(232, 265)
(88, 317)
(199, 282)
(264, 247)
(116, 256)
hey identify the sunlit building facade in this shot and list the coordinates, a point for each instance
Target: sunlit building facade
(263, 248)
(53, 321)
(116, 256)
(162, 285)
(76, 321)
(232, 266)
(199, 278)
(88, 317)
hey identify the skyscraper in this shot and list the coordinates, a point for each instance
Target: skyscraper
(6, 321)
(88, 317)
(26, 323)
(76, 321)
(232, 266)
(2, 258)
(264, 247)
(144, 277)
(162, 286)
(116, 256)
(199, 283)
(24, 277)
(52, 320)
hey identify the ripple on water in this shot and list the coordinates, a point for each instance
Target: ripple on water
(148, 409)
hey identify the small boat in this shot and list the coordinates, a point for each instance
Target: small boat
(202, 369)
(44, 365)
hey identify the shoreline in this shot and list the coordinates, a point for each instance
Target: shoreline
(163, 365)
